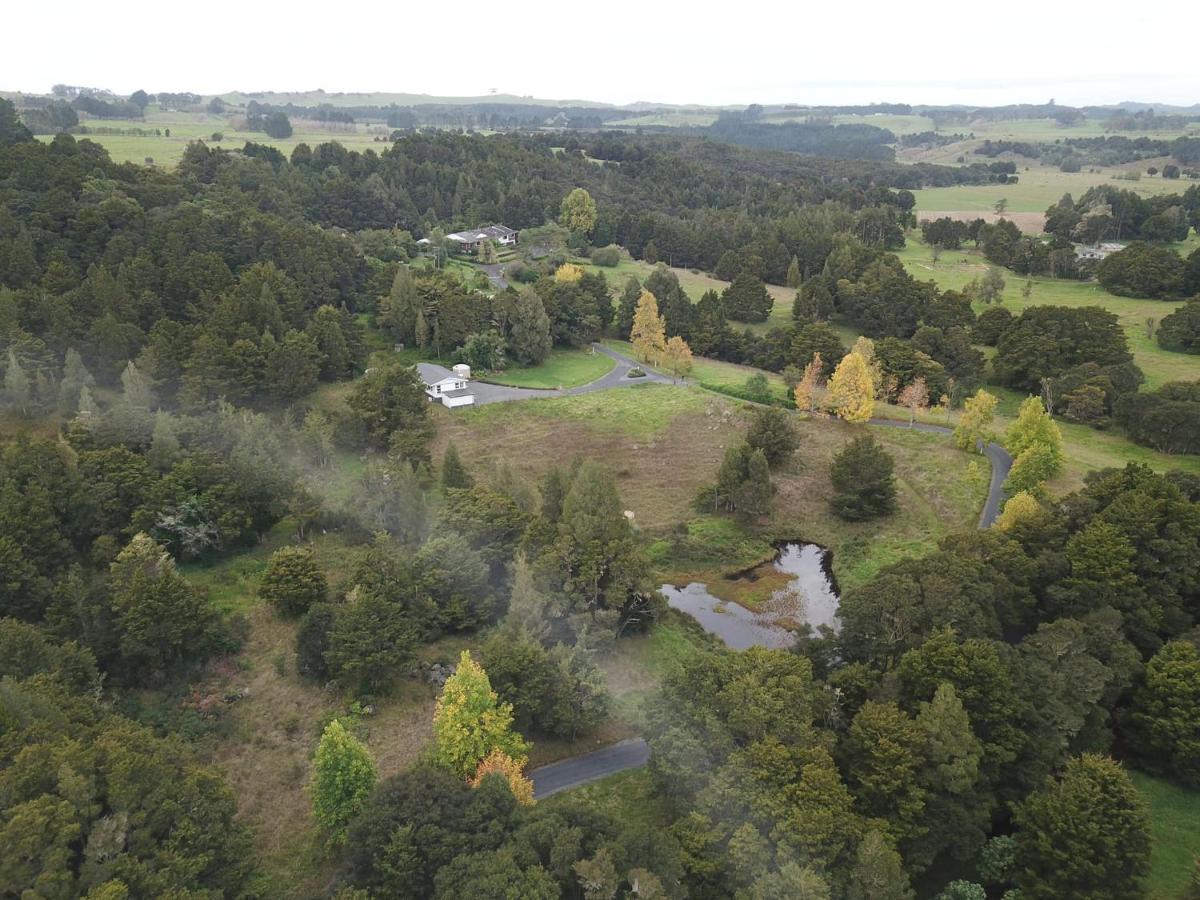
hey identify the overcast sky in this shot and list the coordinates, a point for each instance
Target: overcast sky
(836, 51)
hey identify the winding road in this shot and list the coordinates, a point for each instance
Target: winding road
(635, 752)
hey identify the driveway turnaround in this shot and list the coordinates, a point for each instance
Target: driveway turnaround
(569, 773)
(617, 376)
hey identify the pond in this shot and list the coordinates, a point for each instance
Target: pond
(810, 599)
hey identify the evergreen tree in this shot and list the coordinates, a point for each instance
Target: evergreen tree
(343, 776)
(293, 581)
(161, 618)
(453, 474)
(75, 377)
(773, 434)
(863, 481)
(793, 274)
(1165, 717)
(398, 311)
(747, 299)
(164, 449)
(18, 391)
(630, 295)
(370, 643)
(877, 872)
(531, 341)
(1085, 835)
(137, 389)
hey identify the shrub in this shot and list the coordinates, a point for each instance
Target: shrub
(293, 581)
(608, 256)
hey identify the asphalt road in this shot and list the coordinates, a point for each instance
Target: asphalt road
(999, 458)
(569, 773)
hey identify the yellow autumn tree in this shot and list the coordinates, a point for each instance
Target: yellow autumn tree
(470, 722)
(974, 429)
(568, 273)
(677, 357)
(1020, 506)
(806, 387)
(578, 211)
(500, 763)
(649, 329)
(852, 390)
(865, 347)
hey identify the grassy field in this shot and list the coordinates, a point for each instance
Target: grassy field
(1038, 188)
(1175, 828)
(562, 369)
(955, 268)
(186, 127)
(665, 443)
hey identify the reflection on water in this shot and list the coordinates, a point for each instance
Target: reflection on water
(807, 562)
(809, 599)
(735, 625)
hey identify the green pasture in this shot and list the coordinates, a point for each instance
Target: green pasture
(562, 369)
(955, 268)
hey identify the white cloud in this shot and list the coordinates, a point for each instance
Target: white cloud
(620, 51)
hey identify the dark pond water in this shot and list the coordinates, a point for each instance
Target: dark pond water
(809, 599)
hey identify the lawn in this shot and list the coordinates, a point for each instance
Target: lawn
(718, 375)
(562, 369)
(955, 268)
(1175, 828)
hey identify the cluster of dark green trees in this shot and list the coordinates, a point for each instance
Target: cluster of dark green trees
(921, 331)
(964, 712)
(1147, 270)
(1108, 213)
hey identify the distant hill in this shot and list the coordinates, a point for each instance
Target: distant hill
(384, 98)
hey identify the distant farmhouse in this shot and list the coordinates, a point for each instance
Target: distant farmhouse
(447, 387)
(1097, 251)
(472, 240)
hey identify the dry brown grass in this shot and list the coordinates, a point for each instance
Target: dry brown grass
(658, 476)
(267, 759)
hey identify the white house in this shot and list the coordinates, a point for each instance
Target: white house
(445, 387)
(470, 241)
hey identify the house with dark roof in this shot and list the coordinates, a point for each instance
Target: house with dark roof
(449, 388)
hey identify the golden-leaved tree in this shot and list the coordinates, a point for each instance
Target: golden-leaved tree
(852, 389)
(677, 357)
(470, 722)
(649, 329)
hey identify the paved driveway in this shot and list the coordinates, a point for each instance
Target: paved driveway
(569, 773)
(617, 376)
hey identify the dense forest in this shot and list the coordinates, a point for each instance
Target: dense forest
(163, 338)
